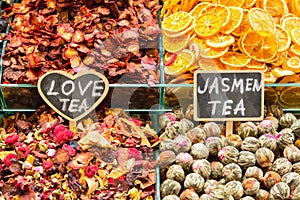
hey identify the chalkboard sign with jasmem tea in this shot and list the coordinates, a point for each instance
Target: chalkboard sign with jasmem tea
(73, 97)
(228, 95)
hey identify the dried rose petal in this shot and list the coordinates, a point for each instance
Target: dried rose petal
(65, 31)
(75, 61)
(69, 52)
(78, 36)
(89, 60)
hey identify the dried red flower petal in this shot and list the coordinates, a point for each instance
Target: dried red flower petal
(10, 159)
(47, 165)
(61, 134)
(65, 31)
(91, 170)
(78, 36)
(71, 151)
(23, 151)
(134, 153)
(11, 139)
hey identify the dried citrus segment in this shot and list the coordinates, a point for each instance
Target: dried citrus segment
(290, 96)
(207, 25)
(175, 44)
(249, 3)
(290, 23)
(276, 8)
(198, 8)
(237, 3)
(295, 7)
(177, 34)
(295, 35)
(260, 20)
(206, 51)
(294, 50)
(182, 63)
(279, 72)
(288, 15)
(221, 11)
(220, 41)
(177, 22)
(255, 65)
(235, 59)
(292, 64)
(236, 18)
(244, 26)
(259, 45)
(283, 39)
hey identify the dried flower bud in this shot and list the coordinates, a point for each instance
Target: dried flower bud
(196, 135)
(296, 167)
(202, 167)
(262, 195)
(189, 194)
(221, 192)
(296, 128)
(281, 166)
(264, 157)
(175, 172)
(246, 159)
(280, 191)
(274, 110)
(250, 144)
(210, 185)
(166, 144)
(173, 129)
(268, 141)
(232, 172)
(270, 179)
(292, 179)
(186, 125)
(214, 145)
(228, 155)
(266, 126)
(274, 120)
(292, 153)
(235, 189)
(216, 170)
(247, 198)
(194, 181)
(185, 160)
(254, 172)
(212, 129)
(205, 197)
(171, 197)
(296, 193)
(182, 144)
(166, 158)
(199, 151)
(247, 129)
(233, 140)
(286, 120)
(166, 118)
(251, 186)
(285, 138)
(170, 187)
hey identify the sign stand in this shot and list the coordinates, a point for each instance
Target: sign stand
(73, 97)
(229, 128)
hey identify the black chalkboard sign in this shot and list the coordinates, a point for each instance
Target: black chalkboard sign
(73, 97)
(228, 95)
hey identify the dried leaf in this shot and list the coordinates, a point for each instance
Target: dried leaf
(94, 138)
(92, 184)
(115, 174)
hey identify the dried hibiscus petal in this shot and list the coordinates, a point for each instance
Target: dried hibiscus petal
(78, 36)
(81, 160)
(69, 52)
(65, 31)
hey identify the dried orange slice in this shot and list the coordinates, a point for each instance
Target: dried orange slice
(210, 64)
(290, 96)
(220, 41)
(259, 45)
(244, 26)
(278, 59)
(276, 8)
(283, 39)
(249, 3)
(175, 44)
(290, 23)
(177, 22)
(260, 20)
(255, 65)
(295, 35)
(237, 3)
(288, 15)
(221, 11)
(269, 77)
(198, 8)
(177, 34)
(182, 63)
(207, 24)
(271, 96)
(235, 59)
(294, 50)
(236, 18)
(279, 72)
(292, 64)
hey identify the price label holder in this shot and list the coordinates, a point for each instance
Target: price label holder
(228, 96)
(73, 97)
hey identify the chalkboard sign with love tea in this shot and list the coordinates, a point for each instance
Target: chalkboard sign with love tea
(228, 95)
(73, 97)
